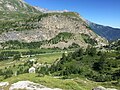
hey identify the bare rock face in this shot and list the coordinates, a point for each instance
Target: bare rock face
(103, 88)
(99, 88)
(4, 84)
(27, 85)
(51, 26)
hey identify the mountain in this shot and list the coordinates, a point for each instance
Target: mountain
(16, 9)
(109, 33)
(48, 26)
(26, 23)
(43, 10)
(16, 5)
(57, 49)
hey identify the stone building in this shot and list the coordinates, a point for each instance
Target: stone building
(32, 70)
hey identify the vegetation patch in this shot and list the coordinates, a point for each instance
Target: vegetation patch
(89, 40)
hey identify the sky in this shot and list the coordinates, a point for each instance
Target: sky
(104, 12)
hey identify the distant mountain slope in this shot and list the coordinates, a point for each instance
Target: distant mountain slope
(16, 5)
(105, 31)
(16, 9)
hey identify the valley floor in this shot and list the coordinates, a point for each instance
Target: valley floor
(76, 83)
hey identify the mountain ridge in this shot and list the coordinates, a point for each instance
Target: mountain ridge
(108, 32)
(16, 5)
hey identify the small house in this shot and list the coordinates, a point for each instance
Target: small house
(32, 70)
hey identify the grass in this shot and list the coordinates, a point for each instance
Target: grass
(49, 58)
(49, 81)
(24, 50)
(48, 55)
(77, 83)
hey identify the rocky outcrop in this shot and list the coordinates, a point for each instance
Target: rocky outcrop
(4, 84)
(27, 85)
(103, 88)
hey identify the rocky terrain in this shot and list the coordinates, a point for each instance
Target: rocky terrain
(26, 85)
(50, 26)
(43, 26)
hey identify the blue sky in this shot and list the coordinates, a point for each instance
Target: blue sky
(105, 12)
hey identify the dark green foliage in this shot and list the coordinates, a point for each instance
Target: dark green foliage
(94, 65)
(71, 69)
(43, 70)
(27, 21)
(63, 59)
(99, 53)
(91, 51)
(78, 54)
(116, 74)
(64, 36)
(42, 15)
(74, 45)
(7, 73)
(61, 37)
(9, 53)
(88, 39)
(22, 69)
(89, 27)
(118, 57)
(67, 65)
(17, 57)
(21, 45)
(115, 45)
(102, 65)
(20, 24)
(4, 55)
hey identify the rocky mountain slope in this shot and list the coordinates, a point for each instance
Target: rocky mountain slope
(16, 5)
(16, 9)
(45, 26)
(109, 33)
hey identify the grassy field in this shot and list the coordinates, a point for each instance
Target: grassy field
(49, 81)
(77, 83)
(49, 58)
(26, 50)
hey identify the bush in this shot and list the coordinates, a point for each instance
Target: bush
(116, 75)
(102, 65)
(91, 51)
(74, 45)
